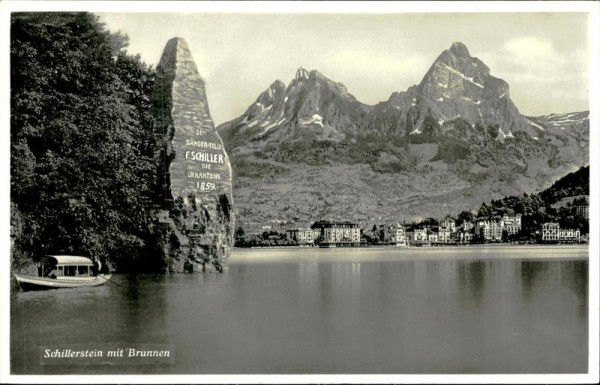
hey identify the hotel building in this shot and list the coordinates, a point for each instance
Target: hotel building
(334, 234)
(302, 236)
(552, 233)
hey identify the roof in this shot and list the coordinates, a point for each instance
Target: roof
(72, 260)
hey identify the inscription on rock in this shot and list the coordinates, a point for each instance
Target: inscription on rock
(196, 168)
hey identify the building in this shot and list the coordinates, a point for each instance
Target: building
(302, 236)
(432, 236)
(492, 230)
(496, 228)
(334, 234)
(569, 235)
(417, 237)
(420, 235)
(400, 237)
(550, 232)
(583, 210)
(464, 236)
(482, 228)
(445, 234)
(449, 224)
(511, 223)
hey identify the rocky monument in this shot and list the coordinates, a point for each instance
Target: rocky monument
(193, 168)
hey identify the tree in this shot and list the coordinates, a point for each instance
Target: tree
(580, 201)
(239, 237)
(480, 236)
(381, 233)
(519, 208)
(485, 211)
(429, 222)
(239, 232)
(465, 216)
(81, 149)
(493, 130)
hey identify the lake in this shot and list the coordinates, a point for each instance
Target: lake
(355, 310)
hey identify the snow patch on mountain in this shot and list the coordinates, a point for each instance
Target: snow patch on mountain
(536, 125)
(316, 119)
(467, 78)
(267, 128)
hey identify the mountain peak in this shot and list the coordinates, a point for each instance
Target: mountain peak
(277, 84)
(314, 74)
(459, 49)
(301, 73)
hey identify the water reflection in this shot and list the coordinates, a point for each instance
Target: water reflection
(574, 276)
(383, 311)
(324, 283)
(533, 273)
(118, 312)
(346, 276)
(472, 279)
(145, 297)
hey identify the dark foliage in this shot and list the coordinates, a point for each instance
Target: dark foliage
(537, 209)
(81, 148)
(576, 183)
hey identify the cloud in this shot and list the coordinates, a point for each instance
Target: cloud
(380, 62)
(539, 74)
(372, 75)
(530, 48)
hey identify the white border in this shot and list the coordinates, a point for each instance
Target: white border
(594, 251)
(368, 7)
(590, 7)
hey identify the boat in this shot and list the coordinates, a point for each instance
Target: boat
(62, 271)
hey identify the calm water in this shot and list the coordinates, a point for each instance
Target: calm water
(429, 310)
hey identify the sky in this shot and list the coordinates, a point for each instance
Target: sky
(542, 56)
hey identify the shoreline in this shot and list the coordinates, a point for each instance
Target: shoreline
(428, 247)
(393, 253)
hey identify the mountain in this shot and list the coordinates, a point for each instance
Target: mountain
(569, 132)
(311, 150)
(457, 85)
(574, 122)
(311, 106)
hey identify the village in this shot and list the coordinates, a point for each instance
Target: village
(448, 231)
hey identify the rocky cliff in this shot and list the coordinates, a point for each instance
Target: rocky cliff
(457, 85)
(311, 106)
(193, 167)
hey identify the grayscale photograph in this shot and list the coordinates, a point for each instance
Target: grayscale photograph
(293, 189)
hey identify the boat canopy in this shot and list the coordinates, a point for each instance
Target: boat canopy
(71, 260)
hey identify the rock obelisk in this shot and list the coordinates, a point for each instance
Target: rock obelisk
(193, 168)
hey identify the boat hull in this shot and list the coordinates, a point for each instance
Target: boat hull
(27, 282)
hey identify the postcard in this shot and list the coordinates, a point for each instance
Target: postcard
(300, 192)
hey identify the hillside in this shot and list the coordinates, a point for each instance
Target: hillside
(571, 185)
